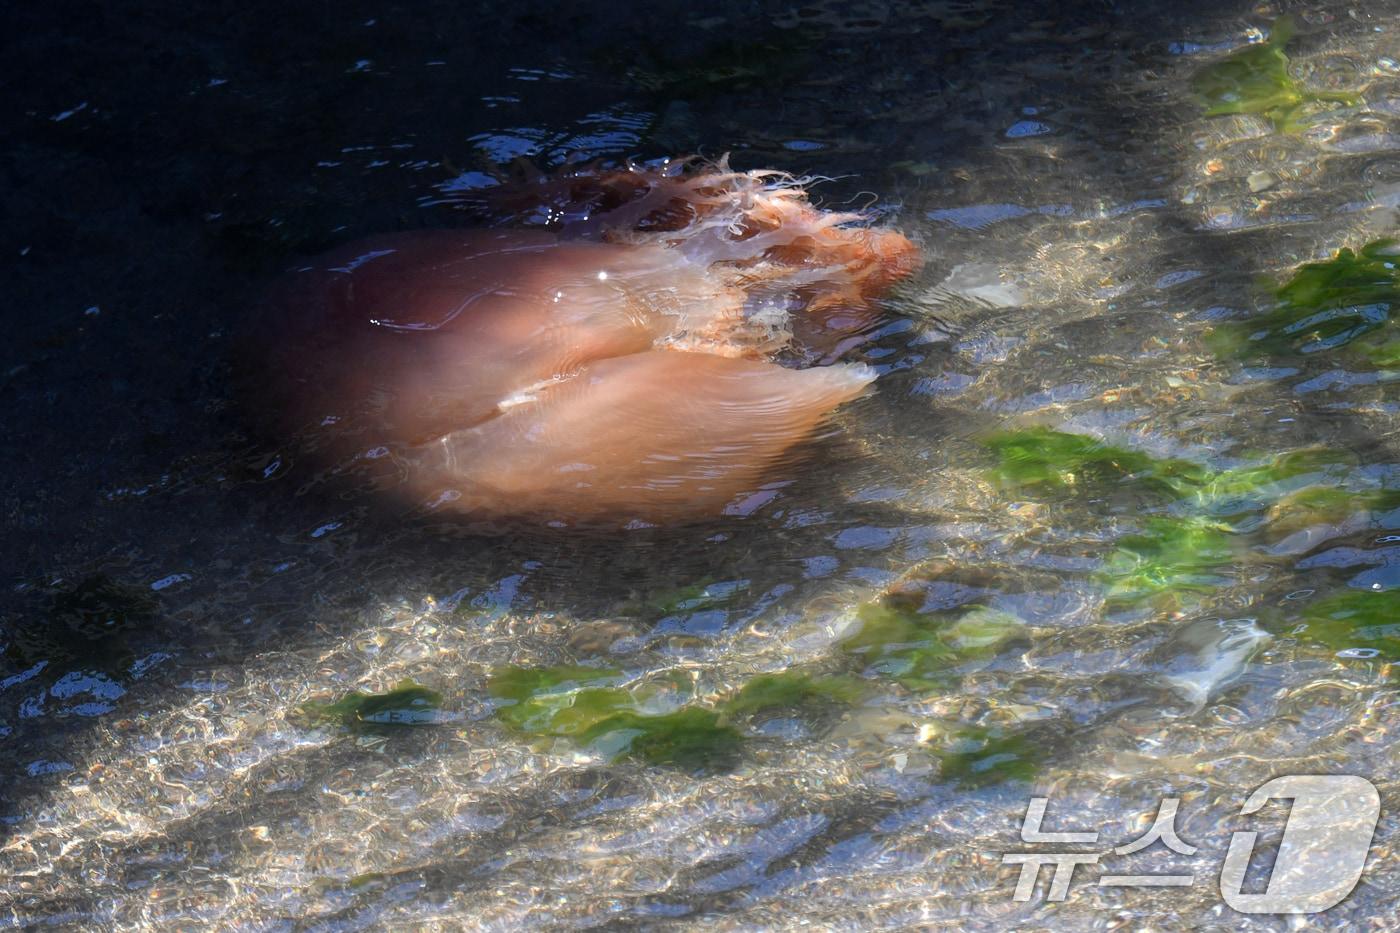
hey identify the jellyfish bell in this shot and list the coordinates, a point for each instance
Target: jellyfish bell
(654, 437)
(614, 363)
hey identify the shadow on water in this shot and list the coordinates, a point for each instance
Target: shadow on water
(164, 178)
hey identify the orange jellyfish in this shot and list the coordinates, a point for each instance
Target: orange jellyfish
(616, 363)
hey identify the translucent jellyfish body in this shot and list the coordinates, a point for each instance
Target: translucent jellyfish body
(623, 346)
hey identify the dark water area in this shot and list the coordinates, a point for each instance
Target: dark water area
(1093, 537)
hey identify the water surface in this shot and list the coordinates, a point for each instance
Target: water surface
(1092, 539)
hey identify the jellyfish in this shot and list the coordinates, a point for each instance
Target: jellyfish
(644, 344)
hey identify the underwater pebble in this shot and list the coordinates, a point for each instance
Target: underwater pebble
(1261, 181)
(1026, 128)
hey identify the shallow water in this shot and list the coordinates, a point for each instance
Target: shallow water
(1000, 614)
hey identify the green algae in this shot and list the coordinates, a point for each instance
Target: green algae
(1323, 505)
(408, 704)
(792, 690)
(979, 756)
(691, 738)
(920, 652)
(1195, 530)
(591, 707)
(562, 700)
(1364, 623)
(1046, 459)
(1256, 80)
(1168, 559)
(1299, 476)
(1347, 301)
